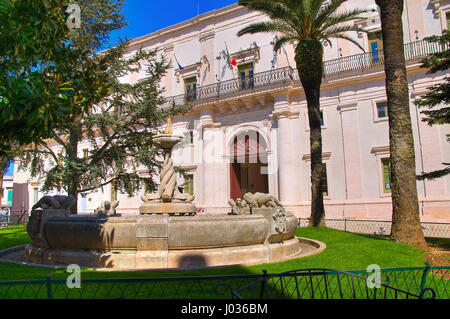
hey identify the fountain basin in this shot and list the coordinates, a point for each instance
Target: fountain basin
(158, 241)
(167, 141)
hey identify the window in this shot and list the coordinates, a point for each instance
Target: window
(376, 46)
(321, 118)
(324, 180)
(35, 195)
(118, 110)
(386, 167)
(113, 192)
(10, 197)
(382, 111)
(246, 75)
(85, 153)
(189, 137)
(188, 186)
(190, 88)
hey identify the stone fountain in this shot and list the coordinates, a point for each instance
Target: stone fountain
(166, 233)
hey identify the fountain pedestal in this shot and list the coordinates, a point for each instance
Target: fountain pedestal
(168, 199)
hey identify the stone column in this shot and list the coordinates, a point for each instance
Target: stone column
(288, 163)
(284, 158)
(210, 151)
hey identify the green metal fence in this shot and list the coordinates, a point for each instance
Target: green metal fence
(305, 284)
(379, 227)
(415, 279)
(324, 284)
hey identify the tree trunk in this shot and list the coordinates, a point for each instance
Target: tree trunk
(72, 189)
(309, 60)
(406, 227)
(73, 178)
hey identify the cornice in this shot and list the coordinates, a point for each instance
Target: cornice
(380, 149)
(179, 26)
(325, 156)
(285, 114)
(347, 106)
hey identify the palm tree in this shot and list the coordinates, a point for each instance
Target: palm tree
(309, 23)
(406, 225)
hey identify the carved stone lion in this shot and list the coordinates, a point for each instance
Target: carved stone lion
(107, 209)
(55, 202)
(258, 200)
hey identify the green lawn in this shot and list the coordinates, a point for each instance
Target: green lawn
(345, 251)
(13, 236)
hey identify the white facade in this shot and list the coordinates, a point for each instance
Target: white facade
(273, 105)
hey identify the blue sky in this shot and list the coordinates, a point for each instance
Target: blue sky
(147, 16)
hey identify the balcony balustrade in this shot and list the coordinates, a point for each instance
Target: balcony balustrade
(288, 77)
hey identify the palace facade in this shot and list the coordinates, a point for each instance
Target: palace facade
(248, 128)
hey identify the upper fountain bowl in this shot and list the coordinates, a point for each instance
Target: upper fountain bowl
(167, 141)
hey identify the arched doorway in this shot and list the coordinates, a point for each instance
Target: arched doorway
(248, 164)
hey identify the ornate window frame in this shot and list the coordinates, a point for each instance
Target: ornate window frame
(250, 55)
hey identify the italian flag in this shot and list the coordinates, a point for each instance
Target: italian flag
(230, 58)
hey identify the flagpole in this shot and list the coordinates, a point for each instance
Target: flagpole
(179, 65)
(228, 56)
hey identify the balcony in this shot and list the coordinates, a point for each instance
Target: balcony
(287, 77)
(414, 52)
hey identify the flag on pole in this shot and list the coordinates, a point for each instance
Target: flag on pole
(285, 52)
(230, 58)
(179, 66)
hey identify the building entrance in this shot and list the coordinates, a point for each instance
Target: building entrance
(248, 167)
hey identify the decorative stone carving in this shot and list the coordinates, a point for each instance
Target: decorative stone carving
(37, 221)
(168, 199)
(266, 205)
(168, 190)
(436, 7)
(279, 221)
(55, 202)
(267, 123)
(239, 207)
(34, 223)
(107, 209)
(258, 200)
